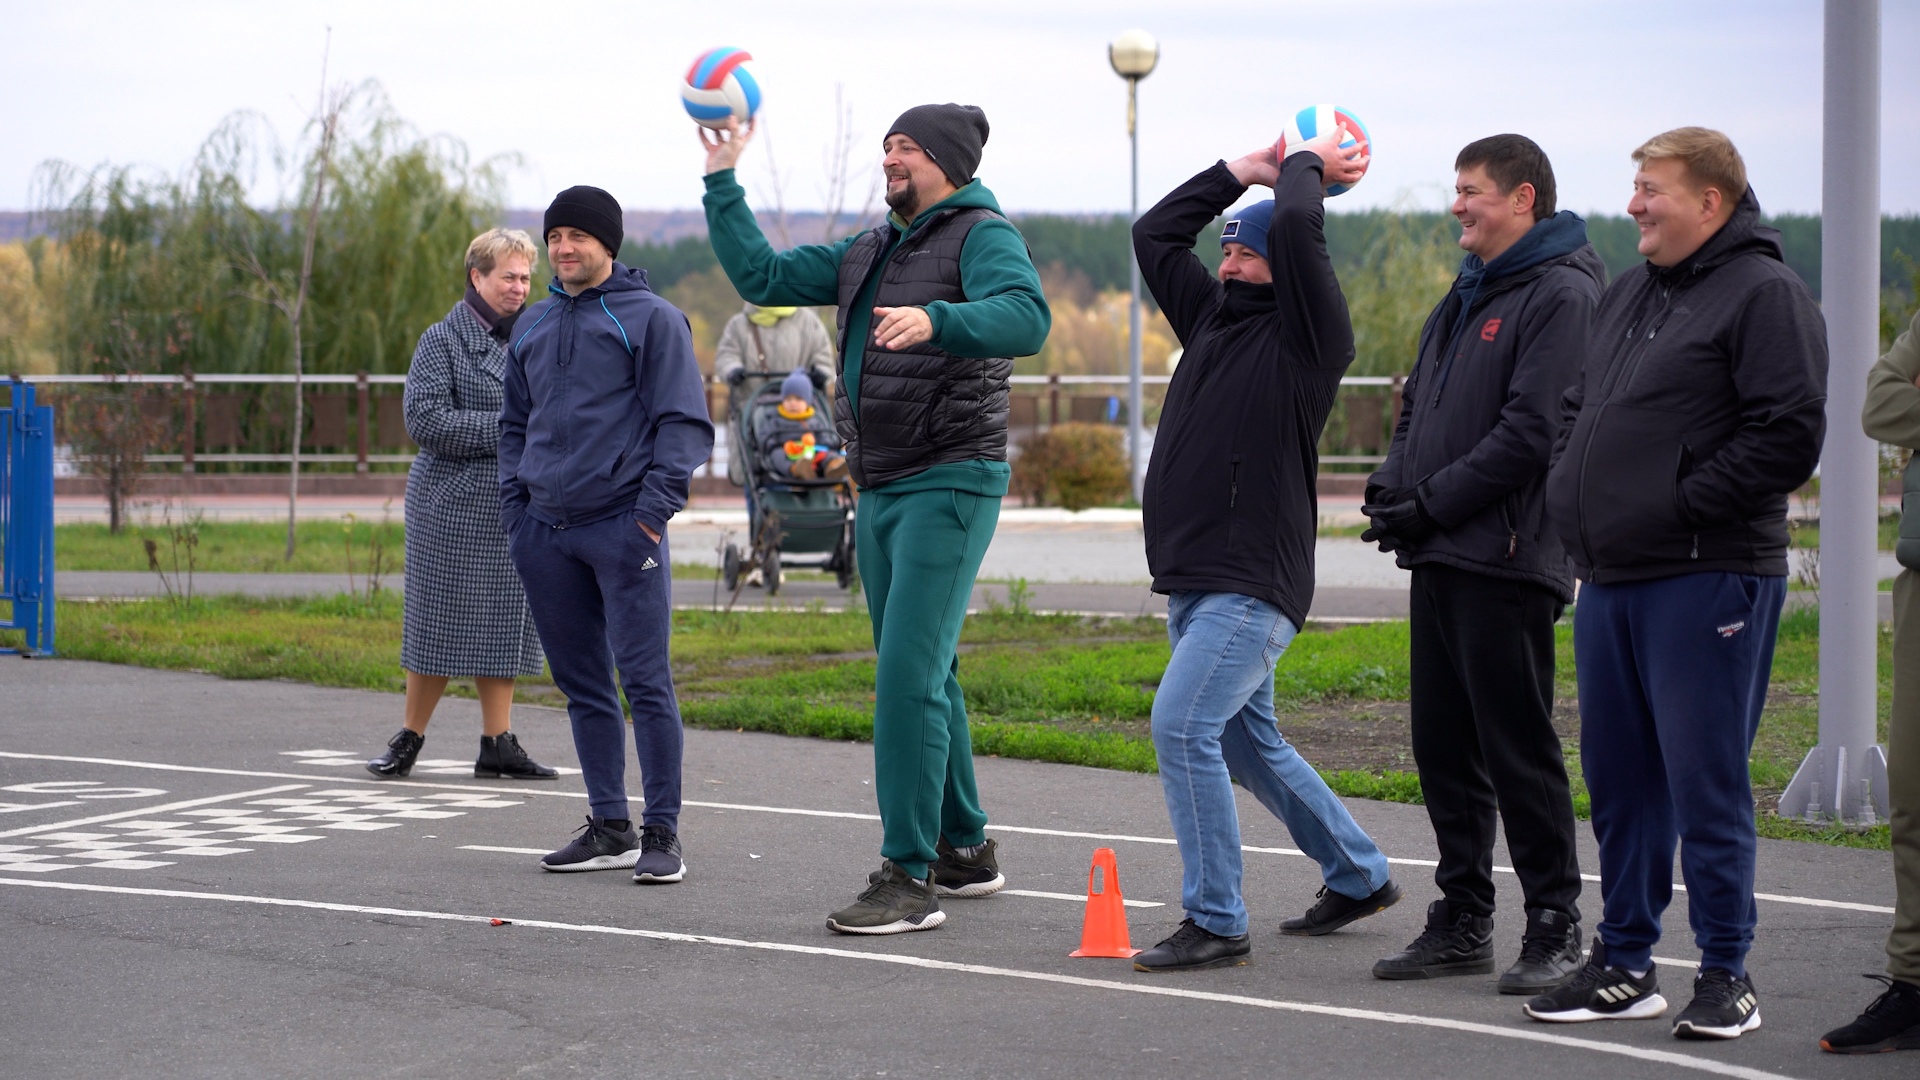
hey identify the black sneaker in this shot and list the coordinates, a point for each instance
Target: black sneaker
(1723, 1007)
(398, 760)
(957, 875)
(1192, 948)
(1599, 992)
(896, 904)
(501, 758)
(597, 847)
(1451, 944)
(1892, 1022)
(1334, 910)
(1550, 953)
(659, 862)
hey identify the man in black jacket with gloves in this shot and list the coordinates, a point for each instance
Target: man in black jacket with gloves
(1230, 520)
(1701, 407)
(1461, 500)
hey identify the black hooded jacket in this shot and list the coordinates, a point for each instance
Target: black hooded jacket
(1702, 406)
(1230, 504)
(1481, 409)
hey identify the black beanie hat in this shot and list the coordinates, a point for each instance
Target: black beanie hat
(590, 210)
(952, 136)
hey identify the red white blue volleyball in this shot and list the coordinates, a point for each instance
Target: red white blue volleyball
(1316, 120)
(719, 86)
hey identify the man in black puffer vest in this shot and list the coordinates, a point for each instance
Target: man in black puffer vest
(1702, 406)
(1461, 499)
(934, 304)
(1230, 520)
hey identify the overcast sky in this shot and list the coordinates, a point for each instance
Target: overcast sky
(587, 93)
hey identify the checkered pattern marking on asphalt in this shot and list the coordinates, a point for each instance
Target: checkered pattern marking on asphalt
(147, 843)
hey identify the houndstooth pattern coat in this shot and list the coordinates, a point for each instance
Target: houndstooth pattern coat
(466, 613)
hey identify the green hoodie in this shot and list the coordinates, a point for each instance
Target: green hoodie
(1009, 318)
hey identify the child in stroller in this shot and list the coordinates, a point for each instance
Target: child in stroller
(798, 440)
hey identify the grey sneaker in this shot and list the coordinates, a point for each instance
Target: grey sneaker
(660, 862)
(957, 875)
(896, 904)
(597, 847)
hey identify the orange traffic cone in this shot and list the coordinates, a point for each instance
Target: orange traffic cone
(1105, 931)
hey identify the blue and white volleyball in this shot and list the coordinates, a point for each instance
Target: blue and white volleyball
(1316, 120)
(719, 86)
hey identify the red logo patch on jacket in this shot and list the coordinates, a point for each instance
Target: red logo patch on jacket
(1491, 328)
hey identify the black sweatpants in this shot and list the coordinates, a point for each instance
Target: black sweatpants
(1483, 738)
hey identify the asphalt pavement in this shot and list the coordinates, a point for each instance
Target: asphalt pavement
(198, 879)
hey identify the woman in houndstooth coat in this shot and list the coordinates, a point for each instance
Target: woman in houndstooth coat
(466, 615)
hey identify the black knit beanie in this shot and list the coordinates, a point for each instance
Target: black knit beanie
(590, 210)
(952, 136)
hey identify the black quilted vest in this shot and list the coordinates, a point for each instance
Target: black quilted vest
(920, 406)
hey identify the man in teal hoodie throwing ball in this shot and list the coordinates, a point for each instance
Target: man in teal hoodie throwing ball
(933, 304)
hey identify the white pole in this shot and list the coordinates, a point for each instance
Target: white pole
(1845, 776)
(1135, 426)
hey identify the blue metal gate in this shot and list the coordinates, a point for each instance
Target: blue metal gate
(26, 519)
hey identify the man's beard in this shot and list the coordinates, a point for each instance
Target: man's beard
(905, 201)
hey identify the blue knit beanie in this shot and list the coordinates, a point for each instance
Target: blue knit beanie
(799, 385)
(1249, 227)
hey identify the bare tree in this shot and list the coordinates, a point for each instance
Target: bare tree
(782, 224)
(838, 158)
(332, 104)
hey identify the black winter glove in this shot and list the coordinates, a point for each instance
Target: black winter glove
(819, 378)
(1398, 523)
(737, 376)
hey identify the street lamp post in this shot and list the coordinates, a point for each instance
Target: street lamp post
(1133, 56)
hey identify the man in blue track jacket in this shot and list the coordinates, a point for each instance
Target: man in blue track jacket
(605, 421)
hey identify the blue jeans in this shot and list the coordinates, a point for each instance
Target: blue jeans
(1673, 673)
(601, 596)
(1213, 723)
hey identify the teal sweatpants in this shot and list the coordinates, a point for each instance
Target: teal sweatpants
(919, 552)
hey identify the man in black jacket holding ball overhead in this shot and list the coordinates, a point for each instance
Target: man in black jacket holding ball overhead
(1230, 520)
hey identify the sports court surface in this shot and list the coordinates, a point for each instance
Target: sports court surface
(198, 879)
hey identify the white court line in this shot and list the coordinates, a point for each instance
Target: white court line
(1009, 892)
(149, 810)
(1075, 899)
(1518, 1034)
(1802, 901)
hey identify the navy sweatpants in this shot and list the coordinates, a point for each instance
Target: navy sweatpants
(601, 595)
(1673, 674)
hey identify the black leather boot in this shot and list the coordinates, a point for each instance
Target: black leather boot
(501, 758)
(398, 760)
(1549, 954)
(1451, 945)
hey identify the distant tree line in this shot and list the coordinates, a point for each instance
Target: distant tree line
(1097, 245)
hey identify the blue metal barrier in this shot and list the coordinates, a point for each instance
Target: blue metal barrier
(26, 519)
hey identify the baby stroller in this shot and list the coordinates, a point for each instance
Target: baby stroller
(786, 516)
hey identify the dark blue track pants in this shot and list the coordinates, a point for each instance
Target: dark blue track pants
(1673, 673)
(601, 595)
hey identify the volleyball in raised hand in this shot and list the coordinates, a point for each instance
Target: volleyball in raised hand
(719, 87)
(1316, 120)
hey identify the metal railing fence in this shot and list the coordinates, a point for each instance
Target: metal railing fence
(375, 429)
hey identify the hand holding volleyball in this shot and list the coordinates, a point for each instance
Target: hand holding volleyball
(1337, 135)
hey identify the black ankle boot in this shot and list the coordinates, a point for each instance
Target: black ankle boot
(398, 760)
(501, 758)
(1452, 944)
(1550, 954)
